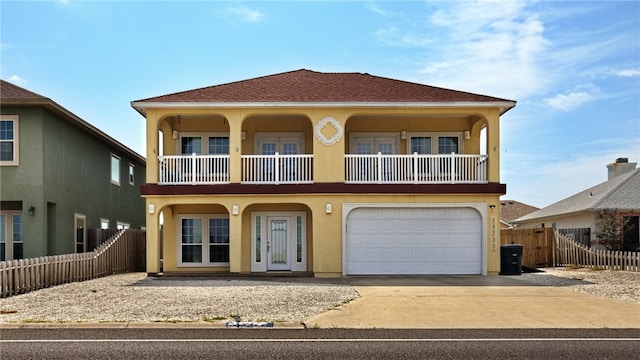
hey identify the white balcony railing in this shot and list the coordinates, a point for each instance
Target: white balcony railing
(277, 169)
(194, 169)
(297, 169)
(415, 169)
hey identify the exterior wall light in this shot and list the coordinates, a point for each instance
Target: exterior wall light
(32, 211)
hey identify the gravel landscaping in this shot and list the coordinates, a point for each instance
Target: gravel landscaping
(136, 298)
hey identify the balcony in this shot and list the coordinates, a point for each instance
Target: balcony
(298, 169)
(277, 169)
(416, 169)
(193, 169)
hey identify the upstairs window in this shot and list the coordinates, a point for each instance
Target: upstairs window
(115, 170)
(434, 143)
(9, 140)
(131, 172)
(204, 143)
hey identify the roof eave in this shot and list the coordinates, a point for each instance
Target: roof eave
(504, 106)
(76, 120)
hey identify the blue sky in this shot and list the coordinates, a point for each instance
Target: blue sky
(573, 67)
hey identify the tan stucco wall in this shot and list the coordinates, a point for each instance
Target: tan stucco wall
(235, 121)
(324, 231)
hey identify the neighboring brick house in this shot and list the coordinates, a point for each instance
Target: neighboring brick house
(327, 174)
(60, 176)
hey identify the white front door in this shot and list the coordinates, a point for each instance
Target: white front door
(278, 243)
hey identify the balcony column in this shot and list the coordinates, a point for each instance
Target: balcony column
(235, 145)
(493, 146)
(235, 240)
(328, 147)
(153, 119)
(153, 243)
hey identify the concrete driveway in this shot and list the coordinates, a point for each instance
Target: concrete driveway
(473, 302)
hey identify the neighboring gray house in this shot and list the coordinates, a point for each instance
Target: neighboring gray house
(59, 177)
(577, 215)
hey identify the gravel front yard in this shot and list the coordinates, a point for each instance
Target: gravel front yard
(136, 298)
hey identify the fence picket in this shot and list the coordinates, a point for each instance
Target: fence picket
(571, 253)
(123, 252)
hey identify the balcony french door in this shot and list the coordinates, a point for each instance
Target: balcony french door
(368, 167)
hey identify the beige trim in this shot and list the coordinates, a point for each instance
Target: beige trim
(16, 140)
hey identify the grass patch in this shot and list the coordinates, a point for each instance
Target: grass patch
(214, 319)
(597, 268)
(35, 321)
(170, 321)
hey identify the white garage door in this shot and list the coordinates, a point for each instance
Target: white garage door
(387, 241)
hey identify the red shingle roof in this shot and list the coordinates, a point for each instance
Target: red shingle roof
(311, 86)
(511, 210)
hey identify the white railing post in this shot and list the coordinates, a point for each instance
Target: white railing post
(379, 163)
(276, 164)
(193, 168)
(415, 167)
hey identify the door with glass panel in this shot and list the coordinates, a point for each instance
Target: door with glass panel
(287, 168)
(368, 167)
(278, 243)
(448, 145)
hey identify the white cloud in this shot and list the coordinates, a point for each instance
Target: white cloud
(247, 14)
(569, 101)
(486, 47)
(377, 9)
(16, 80)
(394, 37)
(631, 72)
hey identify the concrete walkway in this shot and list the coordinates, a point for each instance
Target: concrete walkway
(473, 302)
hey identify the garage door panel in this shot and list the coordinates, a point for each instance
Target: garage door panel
(414, 241)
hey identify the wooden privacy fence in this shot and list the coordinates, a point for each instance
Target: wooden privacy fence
(571, 253)
(124, 252)
(538, 245)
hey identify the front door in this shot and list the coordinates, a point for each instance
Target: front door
(278, 243)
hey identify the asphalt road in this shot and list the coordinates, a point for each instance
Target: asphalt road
(76, 343)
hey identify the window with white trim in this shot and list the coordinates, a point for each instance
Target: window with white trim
(115, 170)
(122, 225)
(434, 143)
(104, 224)
(132, 169)
(203, 240)
(9, 140)
(204, 143)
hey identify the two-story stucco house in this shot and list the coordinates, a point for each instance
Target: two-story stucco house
(327, 174)
(59, 177)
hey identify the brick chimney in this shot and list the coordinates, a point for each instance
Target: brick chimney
(620, 167)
